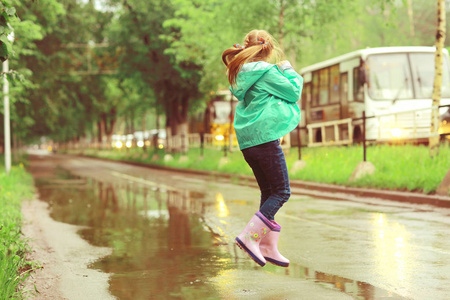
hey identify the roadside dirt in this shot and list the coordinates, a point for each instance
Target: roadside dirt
(65, 258)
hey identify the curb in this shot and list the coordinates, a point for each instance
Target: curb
(309, 187)
(399, 196)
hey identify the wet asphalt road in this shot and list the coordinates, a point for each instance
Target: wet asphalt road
(172, 237)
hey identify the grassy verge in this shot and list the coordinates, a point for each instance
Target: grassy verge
(404, 167)
(14, 269)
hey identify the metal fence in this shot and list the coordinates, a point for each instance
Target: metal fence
(411, 125)
(210, 141)
(403, 126)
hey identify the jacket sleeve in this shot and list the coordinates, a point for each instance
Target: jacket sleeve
(284, 83)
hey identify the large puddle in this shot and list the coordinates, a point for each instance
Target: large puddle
(163, 245)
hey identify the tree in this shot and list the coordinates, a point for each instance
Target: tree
(174, 83)
(61, 103)
(436, 97)
(167, 53)
(7, 14)
(25, 33)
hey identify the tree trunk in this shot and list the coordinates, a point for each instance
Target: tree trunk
(156, 137)
(411, 18)
(100, 130)
(176, 114)
(143, 129)
(436, 98)
(207, 117)
(109, 121)
(183, 125)
(132, 122)
(169, 139)
(184, 137)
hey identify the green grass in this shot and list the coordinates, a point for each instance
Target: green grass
(410, 168)
(404, 167)
(326, 164)
(399, 167)
(14, 268)
(209, 162)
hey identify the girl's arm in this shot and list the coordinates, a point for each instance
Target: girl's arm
(284, 83)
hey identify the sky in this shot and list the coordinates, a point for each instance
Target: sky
(99, 4)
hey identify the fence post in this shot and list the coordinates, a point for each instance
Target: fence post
(225, 145)
(364, 134)
(202, 142)
(299, 143)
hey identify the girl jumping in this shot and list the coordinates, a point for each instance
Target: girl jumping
(267, 110)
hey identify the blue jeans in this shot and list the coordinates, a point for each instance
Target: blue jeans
(269, 167)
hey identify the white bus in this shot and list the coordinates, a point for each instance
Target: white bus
(392, 83)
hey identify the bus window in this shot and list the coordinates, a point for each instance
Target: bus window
(315, 89)
(324, 86)
(389, 77)
(358, 91)
(222, 111)
(334, 84)
(422, 65)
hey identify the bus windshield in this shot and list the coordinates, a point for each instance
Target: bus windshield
(390, 76)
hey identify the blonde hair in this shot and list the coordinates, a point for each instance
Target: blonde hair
(259, 45)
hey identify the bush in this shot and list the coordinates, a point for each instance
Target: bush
(14, 268)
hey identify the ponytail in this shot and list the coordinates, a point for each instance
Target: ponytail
(258, 46)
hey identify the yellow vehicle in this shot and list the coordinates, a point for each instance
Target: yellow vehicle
(216, 122)
(444, 126)
(222, 132)
(222, 117)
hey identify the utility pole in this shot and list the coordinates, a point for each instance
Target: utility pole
(6, 118)
(6, 112)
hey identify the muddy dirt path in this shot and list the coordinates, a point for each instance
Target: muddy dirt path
(64, 255)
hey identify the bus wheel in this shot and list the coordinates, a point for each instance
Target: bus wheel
(357, 135)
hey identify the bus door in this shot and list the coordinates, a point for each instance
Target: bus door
(343, 89)
(305, 107)
(306, 104)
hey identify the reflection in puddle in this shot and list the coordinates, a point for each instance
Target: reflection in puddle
(163, 246)
(392, 252)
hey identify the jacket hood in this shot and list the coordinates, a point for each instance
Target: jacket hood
(247, 76)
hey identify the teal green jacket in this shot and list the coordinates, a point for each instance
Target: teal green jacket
(267, 108)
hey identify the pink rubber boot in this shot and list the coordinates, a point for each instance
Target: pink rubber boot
(255, 232)
(269, 247)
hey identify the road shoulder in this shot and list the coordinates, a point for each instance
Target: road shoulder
(308, 187)
(64, 255)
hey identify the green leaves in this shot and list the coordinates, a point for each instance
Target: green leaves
(5, 48)
(7, 13)
(10, 11)
(166, 53)
(14, 76)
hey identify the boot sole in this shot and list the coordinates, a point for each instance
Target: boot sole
(252, 256)
(277, 262)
